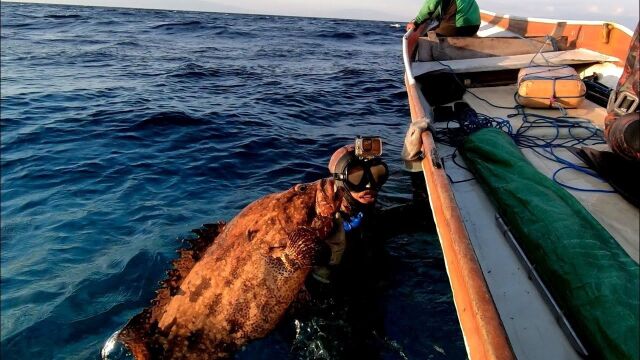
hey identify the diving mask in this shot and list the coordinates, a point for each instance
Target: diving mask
(359, 166)
(360, 175)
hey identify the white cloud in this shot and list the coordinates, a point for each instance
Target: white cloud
(593, 8)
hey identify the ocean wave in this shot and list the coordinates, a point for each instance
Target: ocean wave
(193, 70)
(124, 12)
(62, 16)
(351, 72)
(76, 41)
(207, 50)
(168, 119)
(26, 15)
(337, 35)
(108, 22)
(16, 25)
(232, 32)
(128, 43)
(171, 25)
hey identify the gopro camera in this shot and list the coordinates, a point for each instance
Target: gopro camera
(368, 147)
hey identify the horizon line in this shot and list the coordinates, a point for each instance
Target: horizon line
(401, 22)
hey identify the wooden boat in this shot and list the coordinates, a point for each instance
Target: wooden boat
(504, 312)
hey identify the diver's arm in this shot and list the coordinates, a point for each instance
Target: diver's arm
(407, 218)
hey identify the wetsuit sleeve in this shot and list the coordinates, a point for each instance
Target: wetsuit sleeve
(428, 9)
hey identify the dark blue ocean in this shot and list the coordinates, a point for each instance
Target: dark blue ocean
(123, 129)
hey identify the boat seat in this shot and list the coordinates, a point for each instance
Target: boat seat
(496, 63)
(433, 47)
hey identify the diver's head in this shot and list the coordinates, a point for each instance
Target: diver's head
(359, 169)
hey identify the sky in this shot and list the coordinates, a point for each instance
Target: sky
(624, 12)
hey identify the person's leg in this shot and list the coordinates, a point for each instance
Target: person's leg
(446, 29)
(468, 30)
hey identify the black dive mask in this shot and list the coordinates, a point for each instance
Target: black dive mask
(362, 174)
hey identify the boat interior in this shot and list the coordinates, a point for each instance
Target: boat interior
(487, 67)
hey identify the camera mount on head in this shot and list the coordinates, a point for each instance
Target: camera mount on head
(368, 147)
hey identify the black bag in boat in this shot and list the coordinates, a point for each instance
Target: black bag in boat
(621, 173)
(441, 87)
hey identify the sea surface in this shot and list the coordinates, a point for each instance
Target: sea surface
(123, 129)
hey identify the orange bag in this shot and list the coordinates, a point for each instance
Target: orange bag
(550, 86)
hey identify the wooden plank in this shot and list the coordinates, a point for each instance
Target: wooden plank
(569, 57)
(457, 48)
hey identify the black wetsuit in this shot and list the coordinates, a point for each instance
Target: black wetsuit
(347, 314)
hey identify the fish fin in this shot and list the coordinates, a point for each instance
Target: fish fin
(140, 331)
(188, 256)
(302, 247)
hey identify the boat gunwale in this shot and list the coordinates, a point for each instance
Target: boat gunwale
(555, 21)
(607, 38)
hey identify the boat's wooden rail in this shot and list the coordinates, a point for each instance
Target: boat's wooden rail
(484, 334)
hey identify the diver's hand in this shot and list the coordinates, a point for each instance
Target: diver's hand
(411, 25)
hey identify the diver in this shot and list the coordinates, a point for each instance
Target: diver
(360, 173)
(346, 286)
(455, 17)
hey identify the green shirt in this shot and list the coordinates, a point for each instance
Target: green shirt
(467, 12)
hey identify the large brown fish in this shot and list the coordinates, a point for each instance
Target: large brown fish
(220, 296)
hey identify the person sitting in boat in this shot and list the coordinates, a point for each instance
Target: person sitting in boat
(455, 17)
